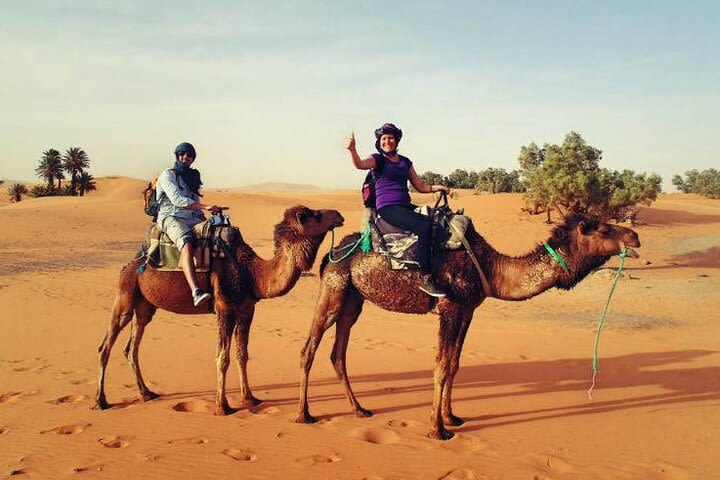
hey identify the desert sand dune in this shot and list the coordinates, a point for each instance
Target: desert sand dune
(522, 384)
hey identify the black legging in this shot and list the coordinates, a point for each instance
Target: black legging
(403, 216)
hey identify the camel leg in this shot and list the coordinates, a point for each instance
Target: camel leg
(326, 310)
(349, 313)
(144, 312)
(447, 414)
(226, 326)
(242, 336)
(122, 313)
(448, 332)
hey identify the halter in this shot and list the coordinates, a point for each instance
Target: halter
(557, 257)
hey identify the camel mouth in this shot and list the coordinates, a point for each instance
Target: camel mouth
(629, 251)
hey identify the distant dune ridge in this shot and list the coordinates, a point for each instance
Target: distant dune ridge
(522, 384)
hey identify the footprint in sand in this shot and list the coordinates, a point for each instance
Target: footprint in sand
(458, 474)
(17, 471)
(114, 441)
(465, 443)
(150, 457)
(310, 460)
(194, 406)
(551, 463)
(241, 455)
(70, 429)
(82, 381)
(90, 467)
(405, 423)
(14, 396)
(4, 429)
(189, 441)
(377, 436)
(67, 399)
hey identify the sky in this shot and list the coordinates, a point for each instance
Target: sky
(269, 91)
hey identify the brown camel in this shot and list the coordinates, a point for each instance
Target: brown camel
(237, 284)
(583, 242)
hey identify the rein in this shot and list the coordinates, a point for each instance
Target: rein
(483, 278)
(622, 254)
(350, 247)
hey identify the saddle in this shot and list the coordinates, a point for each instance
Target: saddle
(212, 241)
(400, 246)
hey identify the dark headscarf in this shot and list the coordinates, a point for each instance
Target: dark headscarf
(190, 176)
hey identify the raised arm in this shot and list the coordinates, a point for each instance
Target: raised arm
(360, 163)
(423, 187)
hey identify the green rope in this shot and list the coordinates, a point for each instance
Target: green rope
(623, 254)
(350, 247)
(557, 257)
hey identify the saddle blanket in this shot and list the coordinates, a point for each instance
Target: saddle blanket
(400, 246)
(211, 242)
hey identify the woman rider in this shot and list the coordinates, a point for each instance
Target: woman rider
(178, 194)
(392, 195)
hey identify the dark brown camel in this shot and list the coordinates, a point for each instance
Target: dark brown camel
(583, 242)
(237, 285)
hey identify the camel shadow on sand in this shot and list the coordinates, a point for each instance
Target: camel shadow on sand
(663, 370)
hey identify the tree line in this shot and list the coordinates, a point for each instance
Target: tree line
(705, 183)
(53, 166)
(567, 178)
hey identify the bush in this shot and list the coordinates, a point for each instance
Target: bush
(567, 178)
(705, 183)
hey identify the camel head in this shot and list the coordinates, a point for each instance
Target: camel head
(303, 222)
(595, 238)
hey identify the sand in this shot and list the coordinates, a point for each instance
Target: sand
(522, 385)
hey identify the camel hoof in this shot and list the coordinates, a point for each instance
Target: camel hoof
(441, 435)
(101, 405)
(224, 410)
(453, 420)
(251, 402)
(305, 418)
(149, 395)
(361, 412)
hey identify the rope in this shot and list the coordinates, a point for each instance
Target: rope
(557, 257)
(350, 247)
(623, 254)
(483, 278)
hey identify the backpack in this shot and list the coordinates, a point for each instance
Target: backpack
(368, 187)
(152, 206)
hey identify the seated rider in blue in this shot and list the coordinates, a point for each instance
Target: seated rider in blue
(393, 198)
(178, 194)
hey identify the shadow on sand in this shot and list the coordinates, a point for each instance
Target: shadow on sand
(656, 369)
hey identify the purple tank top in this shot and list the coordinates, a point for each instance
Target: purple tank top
(391, 186)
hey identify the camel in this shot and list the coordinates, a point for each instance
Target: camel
(237, 284)
(584, 243)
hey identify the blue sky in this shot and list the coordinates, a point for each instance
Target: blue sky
(268, 91)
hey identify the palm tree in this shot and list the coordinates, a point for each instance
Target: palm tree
(75, 161)
(50, 167)
(85, 183)
(16, 191)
